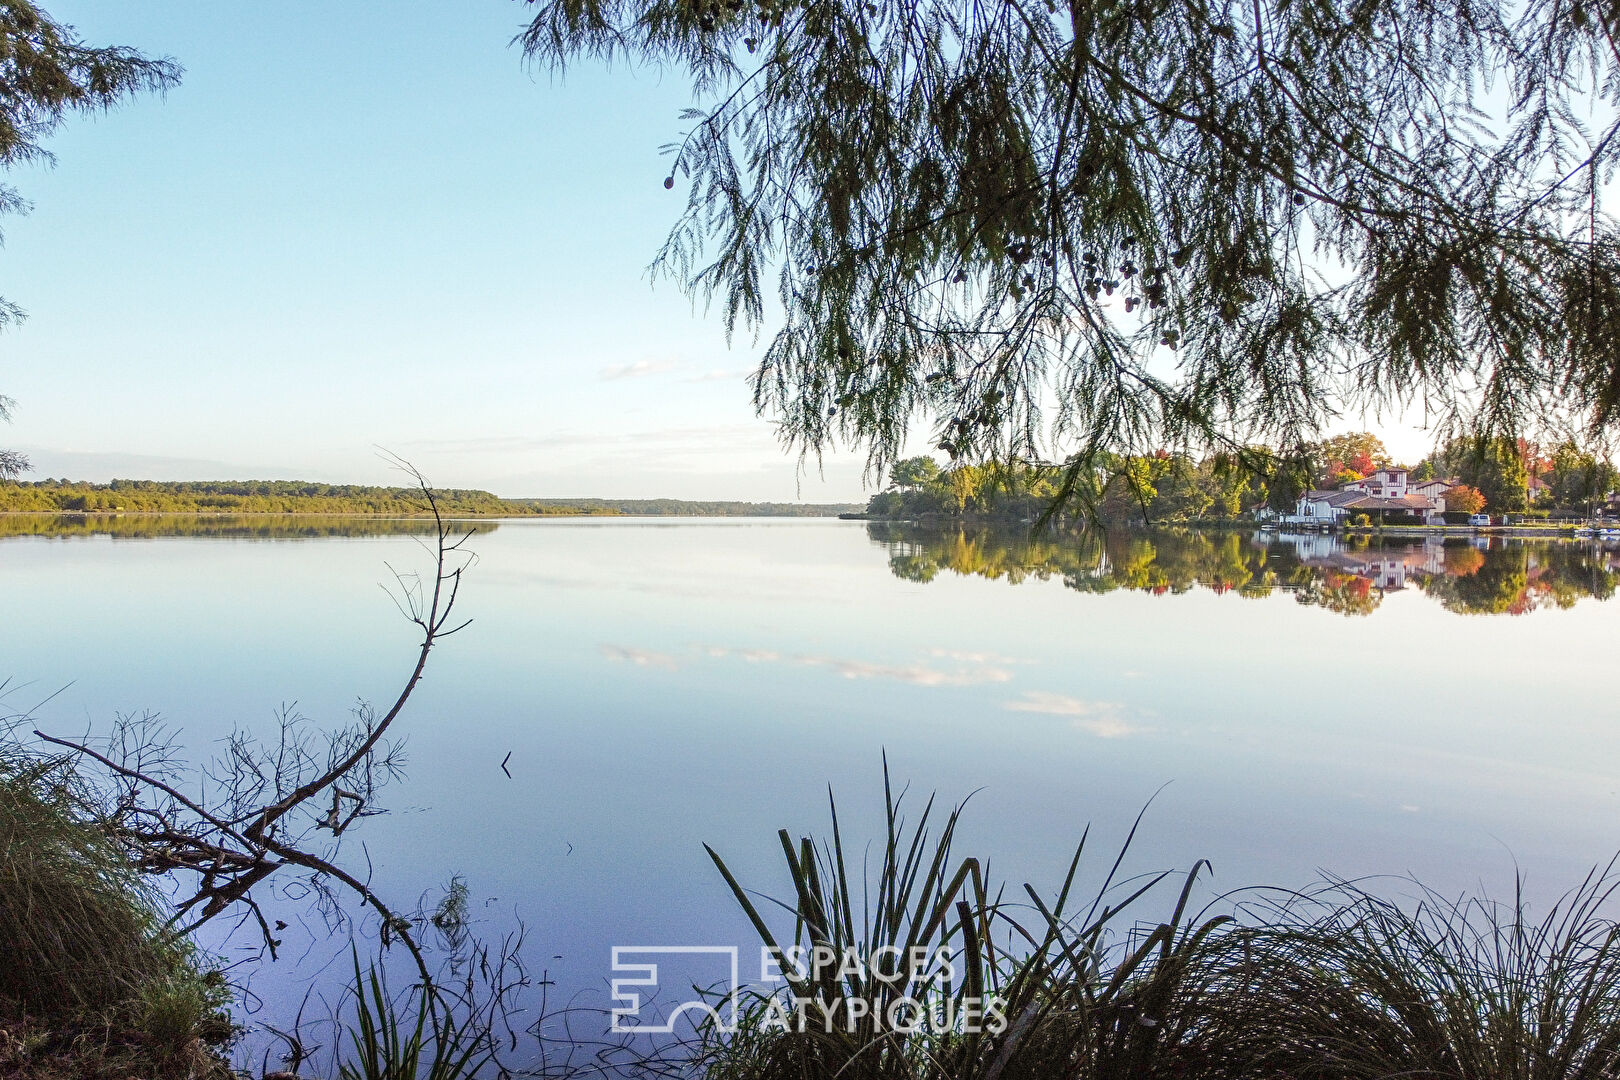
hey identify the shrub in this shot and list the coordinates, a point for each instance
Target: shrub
(1465, 498)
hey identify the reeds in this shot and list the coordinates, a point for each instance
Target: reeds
(1347, 984)
(1069, 996)
(1340, 983)
(407, 1037)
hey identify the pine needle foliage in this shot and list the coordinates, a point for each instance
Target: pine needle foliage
(1062, 228)
(46, 73)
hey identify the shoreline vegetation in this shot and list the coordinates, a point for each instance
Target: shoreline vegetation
(1123, 976)
(296, 497)
(94, 984)
(1529, 528)
(1506, 478)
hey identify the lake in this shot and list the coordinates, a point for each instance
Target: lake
(1289, 705)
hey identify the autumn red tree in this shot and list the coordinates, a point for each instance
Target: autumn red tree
(1464, 499)
(1462, 561)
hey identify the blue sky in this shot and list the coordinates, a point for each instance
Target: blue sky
(365, 223)
(362, 223)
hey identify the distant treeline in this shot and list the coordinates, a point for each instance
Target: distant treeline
(683, 508)
(237, 497)
(302, 497)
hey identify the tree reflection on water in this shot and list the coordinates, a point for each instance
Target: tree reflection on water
(1349, 575)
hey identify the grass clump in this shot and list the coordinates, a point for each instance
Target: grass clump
(1339, 984)
(414, 1036)
(1067, 995)
(91, 979)
(1353, 986)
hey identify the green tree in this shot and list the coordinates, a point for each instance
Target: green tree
(1127, 489)
(974, 213)
(1494, 466)
(1233, 487)
(965, 483)
(1181, 490)
(1284, 477)
(47, 72)
(1579, 478)
(915, 472)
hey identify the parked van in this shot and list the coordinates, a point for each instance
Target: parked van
(1479, 519)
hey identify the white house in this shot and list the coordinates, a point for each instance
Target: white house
(1383, 484)
(1323, 507)
(1432, 488)
(1332, 507)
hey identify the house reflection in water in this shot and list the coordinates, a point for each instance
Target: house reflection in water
(1386, 567)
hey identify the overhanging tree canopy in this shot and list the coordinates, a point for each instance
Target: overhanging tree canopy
(1120, 224)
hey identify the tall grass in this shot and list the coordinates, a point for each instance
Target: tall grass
(79, 928)
(87, 966)
(1339, 984)
(1077, 995)
(1347, 984)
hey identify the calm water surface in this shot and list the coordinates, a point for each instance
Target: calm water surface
(1447, 711)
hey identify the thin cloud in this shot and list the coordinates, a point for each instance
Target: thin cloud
(753, 656)
(916, 674)
(978, 657)
(719, 376)
(972, 673)
(639, 369)
(646, 658)
(1104, 719)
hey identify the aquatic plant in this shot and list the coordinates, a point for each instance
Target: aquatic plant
(1069, 995)
(1335, 983)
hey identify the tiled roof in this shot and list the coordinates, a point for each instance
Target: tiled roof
(1408, 502)
(1334, 498)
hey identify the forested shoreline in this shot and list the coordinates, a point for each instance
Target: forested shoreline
(1179, 487)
